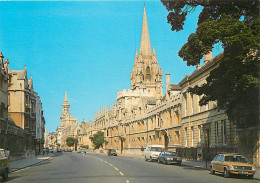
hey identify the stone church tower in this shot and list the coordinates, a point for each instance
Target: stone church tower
(146, 74)
(66, 119)
(65, 111)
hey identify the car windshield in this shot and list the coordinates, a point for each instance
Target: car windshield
(241, 159)
(169, 153)
(158, 149)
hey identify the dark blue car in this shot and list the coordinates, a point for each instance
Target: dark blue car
(168, 157)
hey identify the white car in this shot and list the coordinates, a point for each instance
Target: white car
(152, 152)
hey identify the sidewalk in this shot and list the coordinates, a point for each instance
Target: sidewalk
(196, 164)
(23, 163)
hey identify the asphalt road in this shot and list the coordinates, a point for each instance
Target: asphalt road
(74, 168)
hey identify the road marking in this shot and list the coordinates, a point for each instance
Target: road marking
(110, 164)
(105, 161)
(121, 173)
(127, 181)
(116, 168)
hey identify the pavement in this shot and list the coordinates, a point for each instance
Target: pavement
(24, 163)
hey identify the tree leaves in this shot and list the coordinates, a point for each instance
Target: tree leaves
(234, 83)
(70, 141)
(98, 139)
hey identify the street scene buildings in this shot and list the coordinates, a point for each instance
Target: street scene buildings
(120, 105)
(22, 121)
(143, 115)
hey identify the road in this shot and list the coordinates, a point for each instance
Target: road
(77, 168)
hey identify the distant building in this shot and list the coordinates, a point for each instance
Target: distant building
(3, 99)
(25, 109)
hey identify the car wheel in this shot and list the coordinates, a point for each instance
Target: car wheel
(226, 174)
(151, 158)
(212, 172)
(5, 176)
(250, 176)
(165, 162)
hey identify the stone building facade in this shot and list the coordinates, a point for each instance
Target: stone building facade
(21, 107)
(143, 115)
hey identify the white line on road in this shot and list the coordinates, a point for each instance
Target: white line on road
(127, 181)
(105, 161)
(116, 168)
(121, 173)
(110, 164)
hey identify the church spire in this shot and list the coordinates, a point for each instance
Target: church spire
(65, 98)
(145, 47)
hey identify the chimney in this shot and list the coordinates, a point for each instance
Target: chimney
(207, 57)
(1, 57)
(167, 82)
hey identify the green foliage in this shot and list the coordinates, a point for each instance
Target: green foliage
(85, 146)
(234, 84)
(71, 141)
(98, 139)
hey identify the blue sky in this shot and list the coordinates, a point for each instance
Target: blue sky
(86, 48)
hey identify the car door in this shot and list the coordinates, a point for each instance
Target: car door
(160, 157)
(215, 163)
(221, 164)
(146, 153)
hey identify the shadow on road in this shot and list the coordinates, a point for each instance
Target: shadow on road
(10, 178)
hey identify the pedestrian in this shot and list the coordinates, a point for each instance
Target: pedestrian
(7, 152)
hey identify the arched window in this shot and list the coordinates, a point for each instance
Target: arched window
(148, 73)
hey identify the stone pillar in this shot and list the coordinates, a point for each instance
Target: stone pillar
(207, 57)
(167, 82)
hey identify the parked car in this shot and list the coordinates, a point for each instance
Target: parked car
(4, 164)
(83, 151)
(152, 152)
(79, 151)
(111, 152)
(69, 150)
(59, 150)
(235, 164)
(51, 151)
(168, 157)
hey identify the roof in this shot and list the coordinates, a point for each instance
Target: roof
(175, 87)
(151, 101)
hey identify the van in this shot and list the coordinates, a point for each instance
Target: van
(152, 152)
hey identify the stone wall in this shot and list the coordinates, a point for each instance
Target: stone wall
(17, 141)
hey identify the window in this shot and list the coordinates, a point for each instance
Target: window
(224, 131)
(192, 109)
(216, 133)
(199, 133)
(207, 106)
(222, 158)
(186, 141)
(199, 108)
(192, 136)
(148, 74)
(217, 158)
(186, 105)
